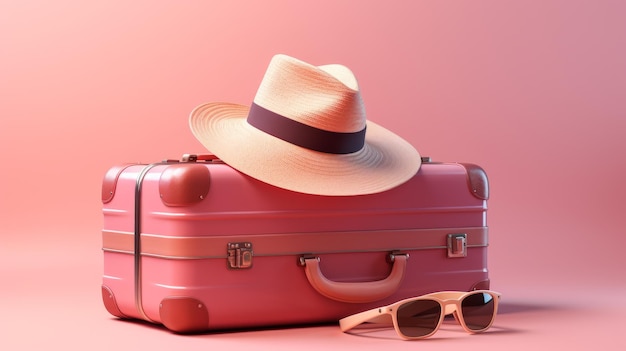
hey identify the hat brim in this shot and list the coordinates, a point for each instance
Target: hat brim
(385, 161)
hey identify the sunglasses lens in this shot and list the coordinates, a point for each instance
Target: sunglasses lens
(478, 311)
(418, 318)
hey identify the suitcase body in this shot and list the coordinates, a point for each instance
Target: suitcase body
(195, 245)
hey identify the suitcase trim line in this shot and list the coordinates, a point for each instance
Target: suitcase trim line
(226, 215)
(267, 245)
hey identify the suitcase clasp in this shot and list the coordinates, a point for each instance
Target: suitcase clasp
(457, 245)
(239, 255)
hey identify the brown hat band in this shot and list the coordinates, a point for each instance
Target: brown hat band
(304, 135)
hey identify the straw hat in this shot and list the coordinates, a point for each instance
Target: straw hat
(306, 131)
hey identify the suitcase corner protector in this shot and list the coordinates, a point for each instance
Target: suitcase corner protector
(108, 298)
(183, 314)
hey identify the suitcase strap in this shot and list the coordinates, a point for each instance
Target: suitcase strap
(292, 244)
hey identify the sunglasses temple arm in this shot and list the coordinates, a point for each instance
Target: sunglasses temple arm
(352, 321)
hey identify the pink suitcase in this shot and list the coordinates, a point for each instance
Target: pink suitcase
(195, 245)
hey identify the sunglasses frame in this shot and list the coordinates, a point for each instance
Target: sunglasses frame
(450, 302)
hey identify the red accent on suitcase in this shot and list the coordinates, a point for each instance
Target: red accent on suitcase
(183, 314)
(477, 180)
(110, 182)
(206, 247)
(184, 184)
(109, 302)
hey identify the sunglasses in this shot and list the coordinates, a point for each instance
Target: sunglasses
(420, 317)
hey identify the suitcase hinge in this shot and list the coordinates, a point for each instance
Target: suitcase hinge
(457, 245)
(239, 255)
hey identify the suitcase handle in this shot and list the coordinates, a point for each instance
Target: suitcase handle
(190, 158)
(359, 292)
(194, 157)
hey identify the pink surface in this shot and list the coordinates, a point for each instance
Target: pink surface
(531, 91)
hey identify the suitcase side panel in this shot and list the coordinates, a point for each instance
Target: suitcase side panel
(236, 204)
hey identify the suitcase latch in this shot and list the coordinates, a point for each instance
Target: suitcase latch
(239, 255)
(457, 245)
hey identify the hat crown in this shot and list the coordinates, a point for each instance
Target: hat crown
(324, 97)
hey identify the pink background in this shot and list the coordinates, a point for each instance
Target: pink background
(533, 91)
